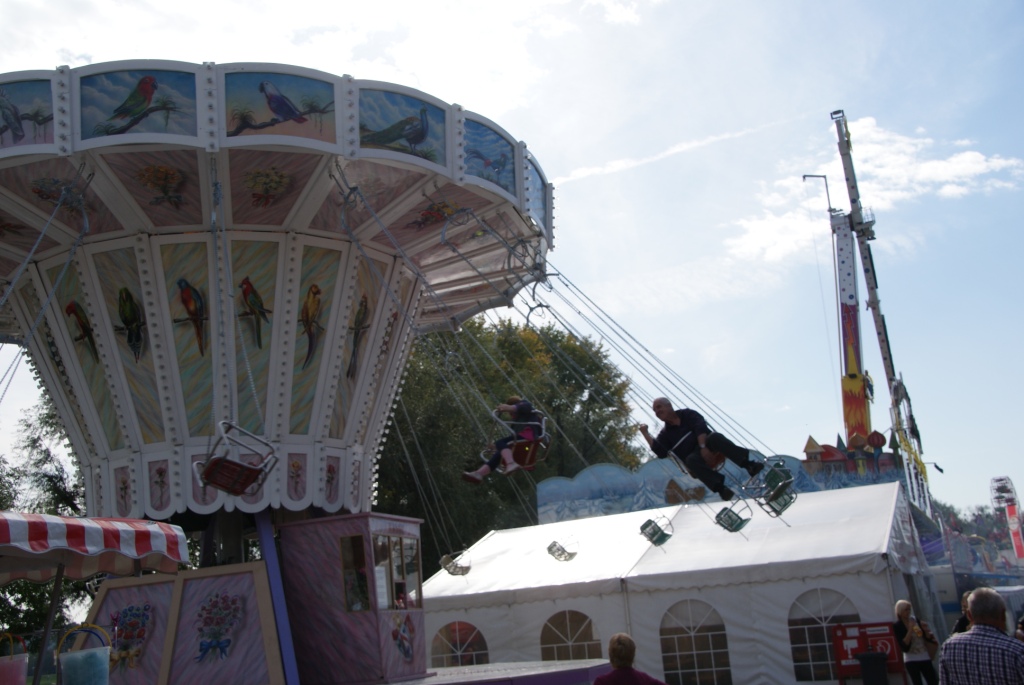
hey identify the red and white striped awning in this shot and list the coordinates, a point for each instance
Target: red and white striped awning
(32, 546)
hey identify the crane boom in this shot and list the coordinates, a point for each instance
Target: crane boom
(861, 222)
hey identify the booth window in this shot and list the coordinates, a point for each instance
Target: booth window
(458, 644)
(569, 635)
(353, 572)
(694, 648)
(810, 635)
(397, 571)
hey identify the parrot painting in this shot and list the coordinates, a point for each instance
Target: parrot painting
(254, 306)
(310, 321)
(192, 300)
(11, 116)
(137, 101)
(359, 326)
(280, 105)
(84, 327)
(131, 318)
(413, 129)
(496, 165)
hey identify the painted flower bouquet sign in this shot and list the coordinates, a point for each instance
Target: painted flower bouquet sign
(128, 635)
(216, 618)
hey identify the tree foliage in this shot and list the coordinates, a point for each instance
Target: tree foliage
(982, 521)
(39, 480)
(442, 422)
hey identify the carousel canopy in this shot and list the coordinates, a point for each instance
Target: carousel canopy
(187, 244)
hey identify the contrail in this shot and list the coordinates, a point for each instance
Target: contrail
(618, 165)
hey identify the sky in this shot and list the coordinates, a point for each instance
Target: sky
(677, 133)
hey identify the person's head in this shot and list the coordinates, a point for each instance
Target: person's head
(963, 601)
(662, 408)
(514, 399)
(986, 606)
(621, 650)
(903, 609)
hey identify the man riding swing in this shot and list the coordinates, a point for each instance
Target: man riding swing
(687, 437)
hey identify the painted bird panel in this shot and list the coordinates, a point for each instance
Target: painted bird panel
(310, 320)
(279, 104)
(254, 308)
(130, 313)
(195, 308)
(138, 100)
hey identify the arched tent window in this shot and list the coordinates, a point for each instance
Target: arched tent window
(569, 635)
(694, 648)
(458, 644)
(810, 620)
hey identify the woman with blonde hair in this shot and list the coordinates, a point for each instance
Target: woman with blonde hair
(918, 644)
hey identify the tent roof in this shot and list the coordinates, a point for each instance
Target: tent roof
(832, 532)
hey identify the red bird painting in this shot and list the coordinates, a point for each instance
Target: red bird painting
(137, 101)
(195, 307)
(84, 327)
(254, 308)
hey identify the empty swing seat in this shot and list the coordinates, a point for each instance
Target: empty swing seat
(733, 518)
(225, 471)
(232, 477)
(777, 494)
(655, 534)
(778, 505)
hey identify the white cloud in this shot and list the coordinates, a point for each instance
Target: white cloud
(892, 169)
(616, 12)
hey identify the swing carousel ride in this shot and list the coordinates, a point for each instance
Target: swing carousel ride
(217, 268)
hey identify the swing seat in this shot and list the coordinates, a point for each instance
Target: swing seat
(734, 517)
(654, 532)
(233, 477)
(777, 494)
(715, 462)
(225, 471)
(775, 507)
(450, 563)
(527, 453)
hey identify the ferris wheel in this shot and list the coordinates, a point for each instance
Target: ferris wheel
(1004, 497)
(1003, 492)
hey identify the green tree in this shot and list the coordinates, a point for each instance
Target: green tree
(442, 422)
(981, 520)
(43, 483)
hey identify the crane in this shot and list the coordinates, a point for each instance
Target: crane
(859, 225)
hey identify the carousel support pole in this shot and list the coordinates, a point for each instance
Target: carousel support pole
(58, 581)
(265, 530)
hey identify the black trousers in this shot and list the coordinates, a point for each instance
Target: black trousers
(716, 442)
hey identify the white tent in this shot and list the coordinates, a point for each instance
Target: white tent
(839, 553)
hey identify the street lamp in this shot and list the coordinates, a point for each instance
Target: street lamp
(937, 467)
